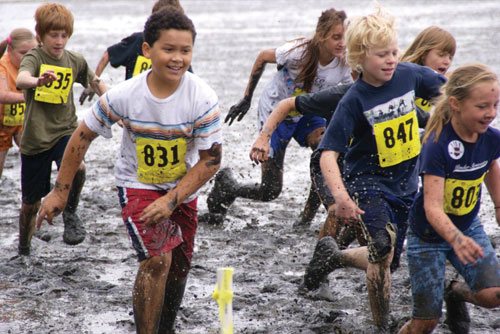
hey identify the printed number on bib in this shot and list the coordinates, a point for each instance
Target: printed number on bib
(55, 92)
(425, 105)
(397, 139)
(461, 196)
(13, 114)
(141, 64)
(297, 92)
(160, 161)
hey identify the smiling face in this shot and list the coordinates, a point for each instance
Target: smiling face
(474, 114)
(438, 60)
(334, 45)
(17, 53)
(54, 42)
(379, 64)
(170, 56)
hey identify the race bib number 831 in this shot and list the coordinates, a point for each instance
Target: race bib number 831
(397, 139)
(160, 161)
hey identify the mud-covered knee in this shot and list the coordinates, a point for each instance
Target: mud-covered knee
(270, 191)
(381, 244)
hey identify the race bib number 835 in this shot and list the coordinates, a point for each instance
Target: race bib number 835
(55, 92)
(160, 161)
(397, 139)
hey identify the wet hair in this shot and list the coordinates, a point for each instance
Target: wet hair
(428, 39)
(162, 3)
(310, 56)
(16, 37)
(167, 18)
(367, 32)
(53, 16)
(459, 85)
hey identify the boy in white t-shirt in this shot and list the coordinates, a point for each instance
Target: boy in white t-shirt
(171, 146)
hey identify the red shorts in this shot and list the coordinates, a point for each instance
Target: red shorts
(174, 234)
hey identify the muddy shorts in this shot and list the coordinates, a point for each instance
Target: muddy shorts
(427, 263)
(298, 130)
(36, 170)
(174, 234)
(384, 224)
(6, 134)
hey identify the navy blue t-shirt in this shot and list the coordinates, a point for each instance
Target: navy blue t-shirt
(126, 52)
(387, 112)
(463, 165)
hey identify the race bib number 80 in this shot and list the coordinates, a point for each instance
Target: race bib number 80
(55, 92)
(397, 139)
(160, 161)
(13, 114)
(460, 196)
(141, 64)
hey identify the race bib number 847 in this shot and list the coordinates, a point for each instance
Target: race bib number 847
(397, 139)
(160, 161)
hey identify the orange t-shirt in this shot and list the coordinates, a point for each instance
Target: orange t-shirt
(9, 71)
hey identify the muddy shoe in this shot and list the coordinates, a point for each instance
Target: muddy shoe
(326, 258)
(457, 316)
(222, 194)
(212, 218)
(74, 232)
(322, 293)
(23, 250)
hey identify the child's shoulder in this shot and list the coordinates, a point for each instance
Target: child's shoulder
(193, 82)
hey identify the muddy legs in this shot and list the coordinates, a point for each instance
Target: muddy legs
(27, 220)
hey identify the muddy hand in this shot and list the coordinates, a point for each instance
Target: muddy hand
(260, 149)
(87, 92)
(347, 211)
(238, 111)
(52, 205)
(466, 249)
(156, 211)
(46, 77)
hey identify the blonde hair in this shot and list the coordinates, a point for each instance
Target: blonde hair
(16, 37)
(366, 32)
(430, 38)
(459, 86)
(53, 16)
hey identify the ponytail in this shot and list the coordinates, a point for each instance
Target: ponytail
(16, 37)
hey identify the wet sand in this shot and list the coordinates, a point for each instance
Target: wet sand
(88, 288)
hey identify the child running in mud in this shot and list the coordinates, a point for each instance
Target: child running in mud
(460, 151)
(128, 53)
(171, 146)
(433, 47)
(12, 106)
(375, 126)
(305, 65)
(46, 75)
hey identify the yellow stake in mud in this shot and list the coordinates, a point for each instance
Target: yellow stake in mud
(223, 294)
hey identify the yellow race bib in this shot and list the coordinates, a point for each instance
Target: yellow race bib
(55, 92)
(425, 105)
(297, 92)
(13, 114)
(461, 196)
(141, 64)
(397, 139)
(161, 161)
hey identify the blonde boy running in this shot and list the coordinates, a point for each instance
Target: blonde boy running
(376, 126)
(171, 146)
